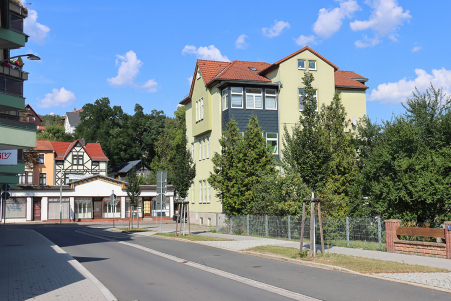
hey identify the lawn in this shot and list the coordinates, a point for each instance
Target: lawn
(194, 237)
(354, 263)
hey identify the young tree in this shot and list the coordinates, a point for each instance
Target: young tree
(241, 167)
(184, 171)
(133, 190)
(306, 150)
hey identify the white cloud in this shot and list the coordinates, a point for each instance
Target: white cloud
(35, 30)
(391, 93)
(205, 53)
(129, 66)
(330, 21)
(51, 114)
(241, 42)
(276, 29)
(61, 97)
(416, 48)
(387, 16)
(304, 40)
(190, 80)
(366, 42)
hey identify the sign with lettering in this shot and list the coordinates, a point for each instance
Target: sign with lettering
(8, 157)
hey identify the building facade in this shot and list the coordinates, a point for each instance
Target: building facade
(84, 200)
(17, 134)
(222, 91)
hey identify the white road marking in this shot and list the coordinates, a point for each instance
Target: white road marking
(244, 280)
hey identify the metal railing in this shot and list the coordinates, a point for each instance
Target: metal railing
(346, 231)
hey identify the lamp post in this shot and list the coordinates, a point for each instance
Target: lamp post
(29, 56)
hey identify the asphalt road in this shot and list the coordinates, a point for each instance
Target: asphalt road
(133, 274)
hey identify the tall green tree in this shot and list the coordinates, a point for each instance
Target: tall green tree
(54, 132)
(241, 167)
(406, 172)
(306, 150)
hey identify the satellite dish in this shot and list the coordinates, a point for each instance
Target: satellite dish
(354, 121)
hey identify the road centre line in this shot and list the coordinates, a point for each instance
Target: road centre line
(247, 281)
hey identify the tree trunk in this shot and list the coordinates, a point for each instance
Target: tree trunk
(177, 220)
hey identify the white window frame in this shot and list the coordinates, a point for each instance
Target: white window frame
(198, 74)
(253, 98)
(203, 149)
(205, 192)
(236, 93)
(275, 98)
(273, 139)
(315, 96)
(208, 193)
(200, 192)
(197, 112)
(224, 98)
(202, 108)
(300, 68)
(193, 199)
(39, 158)
(208, 147)
(313, 69)
(200, 150)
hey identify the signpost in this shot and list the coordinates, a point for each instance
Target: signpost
(5, 196)
(162, 183)
(113, 202)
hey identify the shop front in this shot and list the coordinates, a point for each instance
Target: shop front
(83, 200)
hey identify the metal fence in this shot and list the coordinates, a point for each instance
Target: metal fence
(344, 231)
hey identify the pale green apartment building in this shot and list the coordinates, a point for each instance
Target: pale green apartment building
(222, 91)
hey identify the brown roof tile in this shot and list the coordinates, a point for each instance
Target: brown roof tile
(239, 70)
(347, 79)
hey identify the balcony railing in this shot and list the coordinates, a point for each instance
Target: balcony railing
(16, 22)
(13, 72)
(11, 86)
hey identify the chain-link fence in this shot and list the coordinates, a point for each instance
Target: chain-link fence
(368, 233)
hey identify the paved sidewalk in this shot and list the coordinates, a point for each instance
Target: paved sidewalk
(32, 267)
(240, 243)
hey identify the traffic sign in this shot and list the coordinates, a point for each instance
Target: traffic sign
(5, 195)
(6, 187)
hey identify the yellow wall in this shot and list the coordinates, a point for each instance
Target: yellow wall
(201, 91)
(354, 102)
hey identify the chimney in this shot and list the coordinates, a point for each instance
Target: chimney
(82, 140)
(75, 109)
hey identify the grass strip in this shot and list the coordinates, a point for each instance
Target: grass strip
(134, 230)
(354, 263)
(195, 237)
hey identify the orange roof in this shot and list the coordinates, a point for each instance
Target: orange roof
(348, 79)
(239, 70)
(94, 150)
(43, 145)
(210, 69)
(42, 128)
(269, 68)
(60, 149)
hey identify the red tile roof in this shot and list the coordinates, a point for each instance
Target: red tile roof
(271, 67)
(210, 69)
(62, 149)
(239, 70)
(347, 79)
(42, 128)
(43, 145)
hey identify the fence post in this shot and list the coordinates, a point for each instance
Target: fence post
(231, 225)
(347, 231)
(247, 225)
(266, 225)
(289, 228)
(390, 233)
(379, 232)
(217, 222)
(448, 239)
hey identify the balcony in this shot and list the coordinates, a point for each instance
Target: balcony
(16, 134)
(12, 35)
(18, 9)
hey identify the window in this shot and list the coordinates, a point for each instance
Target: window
(270, 99)
(192, 150)
(301, 105)
(29, 176)
(205, 192)
(41, 158)
(271, 142)
(301, 64)
(42, 179)
(95, 163)
(209, 222)
(254, 98)
(198, 74)
(252, 68)
(200, 150)
(77, 159)
(33, 118)
(59, 162)
(208, 147)
(200, 192)
(225, 96)
(208, 193)
(201, 109)
(311, 65)
(203, 149)
(237, 97)
(193, 198)
(83, 207)
(197, 111)
(201, 220)
(21, 178)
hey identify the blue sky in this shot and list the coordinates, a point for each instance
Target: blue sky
(145, 51)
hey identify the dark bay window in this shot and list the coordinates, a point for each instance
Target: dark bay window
(237, 97)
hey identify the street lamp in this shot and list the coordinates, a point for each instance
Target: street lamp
(28, 55)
